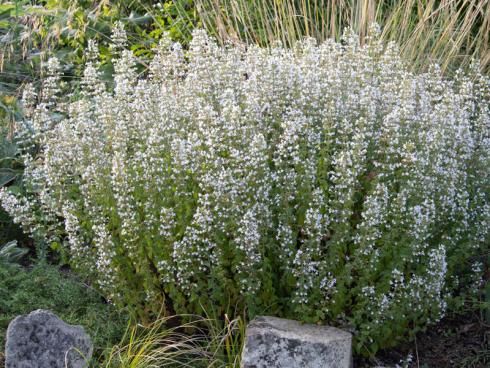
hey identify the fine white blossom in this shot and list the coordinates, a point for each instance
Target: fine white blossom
(321, 180)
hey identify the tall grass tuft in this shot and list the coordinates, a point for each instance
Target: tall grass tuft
(198, 343)
(448, 32)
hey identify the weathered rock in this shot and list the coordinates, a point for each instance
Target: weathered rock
(280, 343)
(42, 340)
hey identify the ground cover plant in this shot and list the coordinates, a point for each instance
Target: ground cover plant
(45, 286)
(326, 183)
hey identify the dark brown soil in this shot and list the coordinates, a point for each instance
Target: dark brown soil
(456, 342)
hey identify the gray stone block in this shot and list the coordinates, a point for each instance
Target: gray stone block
(280, 343)
(42, 340)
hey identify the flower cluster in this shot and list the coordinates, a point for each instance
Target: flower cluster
(323, 182)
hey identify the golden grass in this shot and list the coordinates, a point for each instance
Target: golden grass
(449, 32)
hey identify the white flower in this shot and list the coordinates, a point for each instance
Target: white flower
(325, 170)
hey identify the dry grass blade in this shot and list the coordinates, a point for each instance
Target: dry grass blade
(449, 32)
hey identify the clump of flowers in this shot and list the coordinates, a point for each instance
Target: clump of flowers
(325, 183)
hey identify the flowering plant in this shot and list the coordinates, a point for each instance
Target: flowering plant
(324, 182)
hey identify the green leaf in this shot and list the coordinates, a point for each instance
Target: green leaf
(10, 252)
(55, 246)
(7, 176)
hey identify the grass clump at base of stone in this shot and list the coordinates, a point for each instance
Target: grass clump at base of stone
(45, 286)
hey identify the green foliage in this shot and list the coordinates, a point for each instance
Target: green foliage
(342, 269)
(198, 343)
(11, 166)
(11, 169)
(486, 304)
(326, 183)
(33, 31)
(11, 253)
(47, 287)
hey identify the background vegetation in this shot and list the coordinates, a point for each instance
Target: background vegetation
(449, 32)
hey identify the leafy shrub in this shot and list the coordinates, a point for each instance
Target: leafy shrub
(325, 183)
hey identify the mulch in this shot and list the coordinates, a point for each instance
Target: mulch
(455, 342)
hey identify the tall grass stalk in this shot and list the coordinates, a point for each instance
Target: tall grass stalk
(449, 32)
